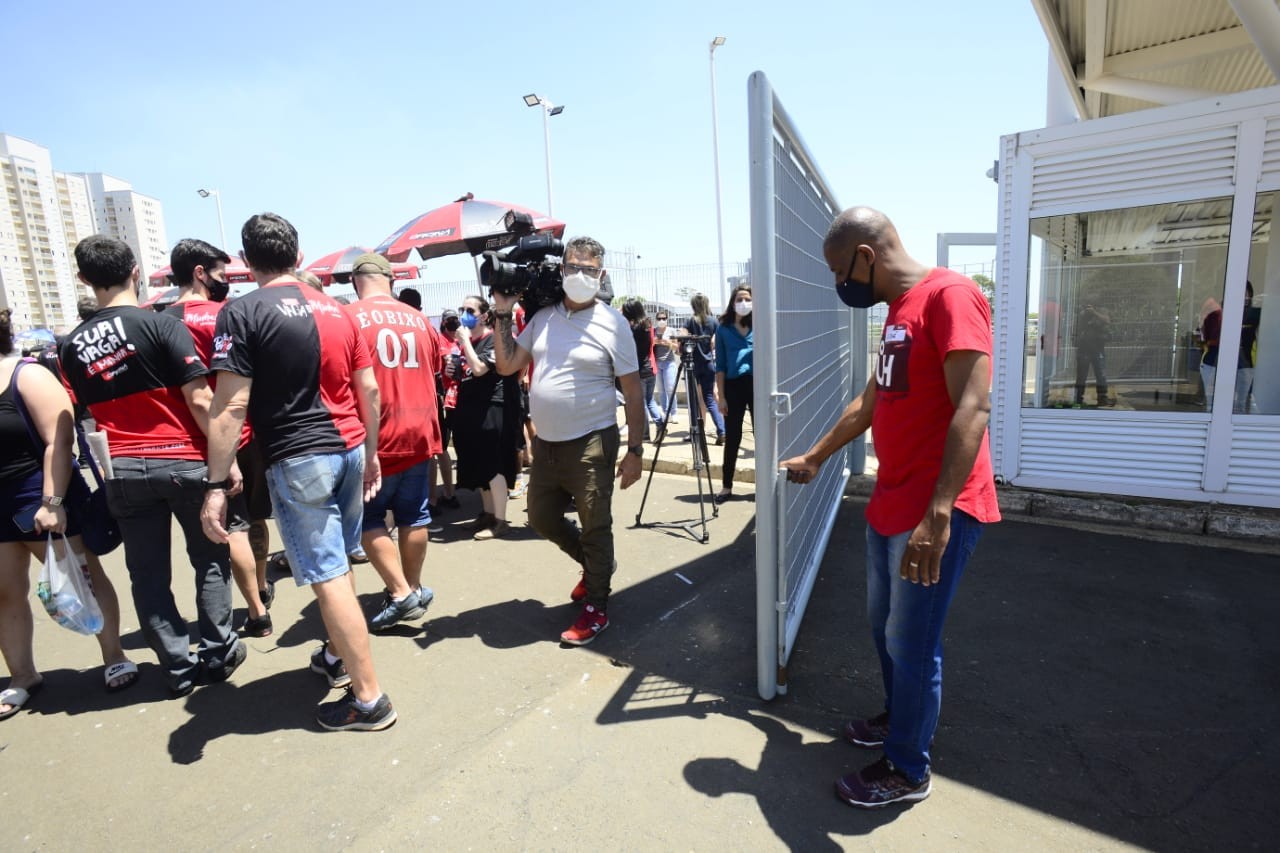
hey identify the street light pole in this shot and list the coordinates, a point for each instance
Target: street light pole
(715, 151)
(217, 198)
(548, 110)
(546, 139)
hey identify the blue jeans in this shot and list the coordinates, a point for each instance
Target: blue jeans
(706, 379)
(656, 414)
(145, 495)
(666, 384)
(906, 624)
(319, 506)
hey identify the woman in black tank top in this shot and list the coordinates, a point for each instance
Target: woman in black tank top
(33, 484)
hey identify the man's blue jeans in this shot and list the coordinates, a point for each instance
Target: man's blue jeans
(906, 624)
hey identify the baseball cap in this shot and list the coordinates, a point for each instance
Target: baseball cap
(371, 263)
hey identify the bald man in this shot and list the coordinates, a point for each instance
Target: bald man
(927, 406)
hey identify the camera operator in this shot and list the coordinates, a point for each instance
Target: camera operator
(578, 346)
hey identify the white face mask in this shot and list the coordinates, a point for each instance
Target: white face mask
(742, 309)
(581, 288)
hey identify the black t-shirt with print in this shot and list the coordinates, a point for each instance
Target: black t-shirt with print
(301, 349)
(128, 365)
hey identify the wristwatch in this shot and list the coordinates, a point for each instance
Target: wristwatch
(52, 500)
(636, 450)
(211, 485)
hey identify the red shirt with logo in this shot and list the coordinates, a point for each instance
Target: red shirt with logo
(944, 312)
(301, 350)
(200, 316)
(405, 360)
(128, 365)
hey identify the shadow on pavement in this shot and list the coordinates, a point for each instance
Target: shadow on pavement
(1125, 685)
(218, 710)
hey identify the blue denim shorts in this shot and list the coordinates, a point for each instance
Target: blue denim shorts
(406, 494)
(318, 501)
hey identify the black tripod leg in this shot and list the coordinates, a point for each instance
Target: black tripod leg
(662, 436)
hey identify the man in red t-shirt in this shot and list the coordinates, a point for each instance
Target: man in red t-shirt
(405, 359)
(927, 406)
(292, 362)
(199, 270)
(142, 380)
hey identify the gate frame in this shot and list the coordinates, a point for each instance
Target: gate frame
(775, 635)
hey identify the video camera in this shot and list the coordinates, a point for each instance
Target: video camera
(529, 270)
(690, 344)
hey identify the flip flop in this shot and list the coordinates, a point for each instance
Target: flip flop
(126, 669)
(17, 697)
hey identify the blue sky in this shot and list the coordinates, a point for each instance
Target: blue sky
(349, 119)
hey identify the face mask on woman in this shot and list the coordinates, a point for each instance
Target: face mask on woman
(742, 307)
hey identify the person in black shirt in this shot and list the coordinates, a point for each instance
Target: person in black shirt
(642, 331)
(486, 422)
(144, 383)
(703, 324)
(41, 492)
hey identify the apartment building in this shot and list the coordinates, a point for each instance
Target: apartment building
(37, 281)
(130, 216)
(45, 213)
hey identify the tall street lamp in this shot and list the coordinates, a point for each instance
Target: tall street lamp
(715, 152)
(548, 110)
(217, 198)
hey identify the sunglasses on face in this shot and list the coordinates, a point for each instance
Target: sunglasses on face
(589, 272)
(466, 310)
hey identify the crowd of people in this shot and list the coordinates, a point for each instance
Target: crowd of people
(336, 420)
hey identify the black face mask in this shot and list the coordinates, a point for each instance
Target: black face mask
(218, 290)
(858, 294)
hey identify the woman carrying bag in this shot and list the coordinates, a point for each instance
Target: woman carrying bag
(39, 483)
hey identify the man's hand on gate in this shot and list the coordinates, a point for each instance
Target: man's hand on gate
(799, 469)
(629, 469)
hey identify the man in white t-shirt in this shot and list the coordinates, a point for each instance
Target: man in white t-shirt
(578, 347)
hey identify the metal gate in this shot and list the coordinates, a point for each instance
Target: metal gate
(810, 352)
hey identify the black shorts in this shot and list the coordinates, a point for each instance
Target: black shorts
(256, 498)
(22, 497)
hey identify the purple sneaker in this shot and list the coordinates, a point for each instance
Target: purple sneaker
(869, 733)
(880, 784)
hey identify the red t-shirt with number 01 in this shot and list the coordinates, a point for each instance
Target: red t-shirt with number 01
(944, 312)
(405, 360)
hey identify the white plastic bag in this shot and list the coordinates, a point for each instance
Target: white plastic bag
(65, 590)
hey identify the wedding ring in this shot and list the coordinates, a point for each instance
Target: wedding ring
(914, 565)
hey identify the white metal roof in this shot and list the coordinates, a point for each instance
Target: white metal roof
(1120, 56)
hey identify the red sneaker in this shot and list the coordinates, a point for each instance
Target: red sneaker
(579, 591)
(589, 624)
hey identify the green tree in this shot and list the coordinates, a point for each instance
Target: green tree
(988, 288)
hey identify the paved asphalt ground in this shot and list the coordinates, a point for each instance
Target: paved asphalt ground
(1102, 692)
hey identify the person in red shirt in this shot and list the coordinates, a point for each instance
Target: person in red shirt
(144, 383)
(294, 364)
(405, 359)
(199, 270)
(927, 406)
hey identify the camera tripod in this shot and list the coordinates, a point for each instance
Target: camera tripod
(698, 438)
